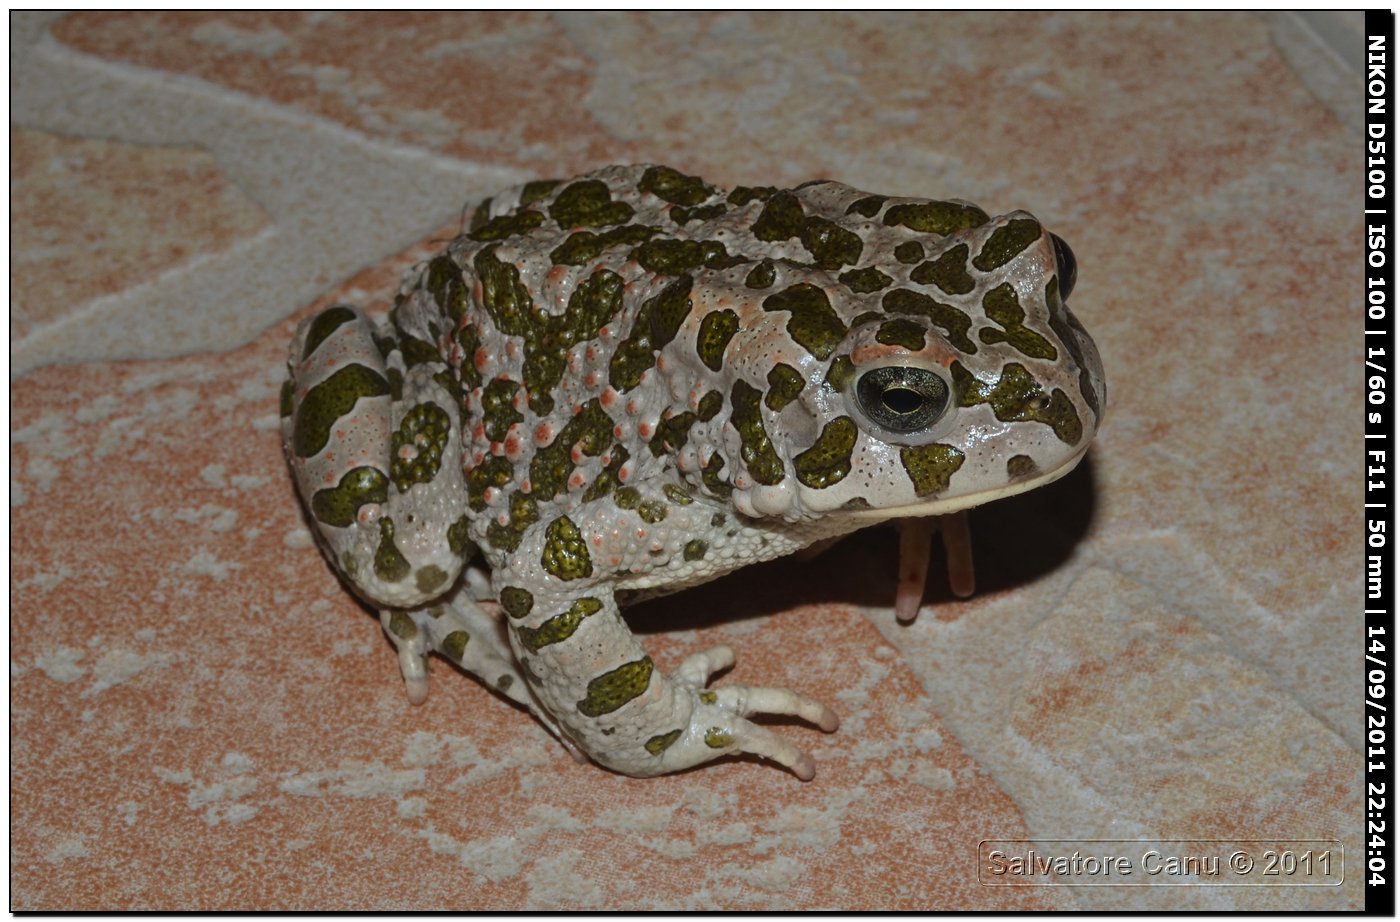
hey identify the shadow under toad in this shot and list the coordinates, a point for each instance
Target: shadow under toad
(1015, 541)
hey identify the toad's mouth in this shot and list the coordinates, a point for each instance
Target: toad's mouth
(937, 507)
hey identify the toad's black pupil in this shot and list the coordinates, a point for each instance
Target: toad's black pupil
(901, 400)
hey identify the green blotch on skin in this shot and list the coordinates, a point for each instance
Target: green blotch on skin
(503, 295)
(713, 480)
(498, 412)
(547, 342)
(901, 332)
(657, 322)
(695, 550)
(1002, 306)
(704, 213)
(607, 479)
(505, 681)
(587, 203)
(425, 428)
(660, 743)
(785, 384)
(813, 323)
(565, 552)
(672, 433)
(338, 505)
(677, 495)
(1018, 397)
(953, 322)
(495, 471)
(627, 498)
(780, 219)
(948, 272)
(930, 467)
(430, 578)
(742, 195)
(867, 207)
(674, 186)
(581, 246)
(560, 627)
(612, 690)
(480, 214)
(507, 225)
(389, 564)
(716, 330)
(652, 511)
(839, 375)
(832, 245)
(669, 256)
(909, 252)
(470, 340)
(524, 512)
(286, 405)
(326, 323)
(864, 281)
(534, 191)
(709, 406)
(708, 697)
(935, 217)
(443, 281)
(1019, 467)
(591, 428)
(716, 738)
(402, 626)
(1005, 243)
(516, 601)
(594, 302)
(828, 461)
(457, 540)
(1065, 326)
(762, 275)
(417, 352)
(455, 644)
(327, 402)
(755, 448)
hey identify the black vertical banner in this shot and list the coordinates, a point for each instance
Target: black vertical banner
(1377, 862)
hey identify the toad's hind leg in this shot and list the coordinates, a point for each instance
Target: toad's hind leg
(375, 448)
(590, 672)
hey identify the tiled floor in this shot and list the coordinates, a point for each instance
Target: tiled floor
(1162, 644)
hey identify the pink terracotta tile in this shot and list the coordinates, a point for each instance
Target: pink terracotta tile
(459, 83)
(849, 94)
(91, 217)
(1151, 715)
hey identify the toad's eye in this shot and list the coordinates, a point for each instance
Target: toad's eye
(902, 400)
(1066, 270)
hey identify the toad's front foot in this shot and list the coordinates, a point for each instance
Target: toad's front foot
(719, 723)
